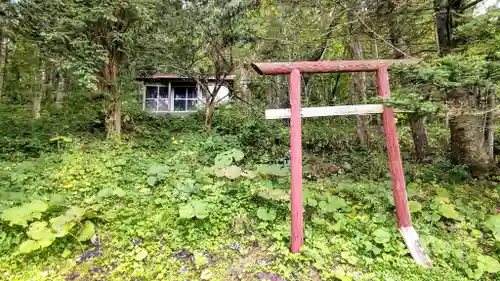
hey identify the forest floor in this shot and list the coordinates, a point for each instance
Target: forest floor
(200, 206)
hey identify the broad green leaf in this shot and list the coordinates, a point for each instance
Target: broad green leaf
(88, 230)
(186, 211)
(274, 194)
(493, 224)
(476, 233)
(268, 184)
(411, 190)
(232, 172)
(237, 154)
(119, 192)
(62, 225)
(414, 206)
(156, 169)
(332, 204)
(312, 202)
(105, 193)
(272, 170)
(381, 236)
(448, 211)
(349, 258)
(318, 220)
(222, 160)
(442, 197)
(40, 232)
(206, 274)
(441, 200)
(336, 203)
(141, 254)
(61, 138)
(266, 214)
(323, 206)
(66, 253)
(200, 260)
(442, 192)
(219, 172)
(201, 209)
(56, 199)
(376, 250)
(435, 217)
(250, 174)
(36, 206)
(75, 213)
(226, 158)
(20, 215)
(16, 216)
(488, 263)
(29, 246)
(152, 180)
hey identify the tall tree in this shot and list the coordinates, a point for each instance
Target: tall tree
(94, 37)
(465, 123)
(209, 35)
(417, 119)
(481, 37)
(358, 87)
(4, 40)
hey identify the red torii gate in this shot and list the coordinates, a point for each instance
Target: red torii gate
(294, 70)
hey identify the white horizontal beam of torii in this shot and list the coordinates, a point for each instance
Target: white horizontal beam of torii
(360, 109)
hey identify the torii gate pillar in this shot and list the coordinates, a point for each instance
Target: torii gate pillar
(294, 70)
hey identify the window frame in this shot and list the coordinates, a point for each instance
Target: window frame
(186, 99)
(158, 98)
(170, 98)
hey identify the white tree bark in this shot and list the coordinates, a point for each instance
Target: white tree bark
(38, 93)
(244, 82)
(60, 91)
(4, 42)
(490, 123)
(358, 88)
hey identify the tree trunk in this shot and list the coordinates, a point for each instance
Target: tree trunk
(245, 93)
(36, 101)
(358, 88)
(420, 139)
(59, 91)
(378, 121)
(465, 127)
(49, 81)
(3, 59)
(417, 121)
(444, 30)
(209, 113)
(490, 123)
(36, 105)
(419, 134)
(113, 117)
(210, 102)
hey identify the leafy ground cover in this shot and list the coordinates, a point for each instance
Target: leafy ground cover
(214, 206)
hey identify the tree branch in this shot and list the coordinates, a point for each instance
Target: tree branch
(470, 5)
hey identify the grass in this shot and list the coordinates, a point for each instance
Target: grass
(178, 203)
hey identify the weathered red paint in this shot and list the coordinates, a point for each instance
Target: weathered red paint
(281, 68)
(395, 163)
(297, 235)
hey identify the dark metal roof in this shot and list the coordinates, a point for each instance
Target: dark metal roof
(167, 76)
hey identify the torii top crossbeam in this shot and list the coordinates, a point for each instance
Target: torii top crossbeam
(283, 68)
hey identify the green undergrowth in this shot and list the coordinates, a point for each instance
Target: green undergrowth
(171, 201)
(105, 210)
